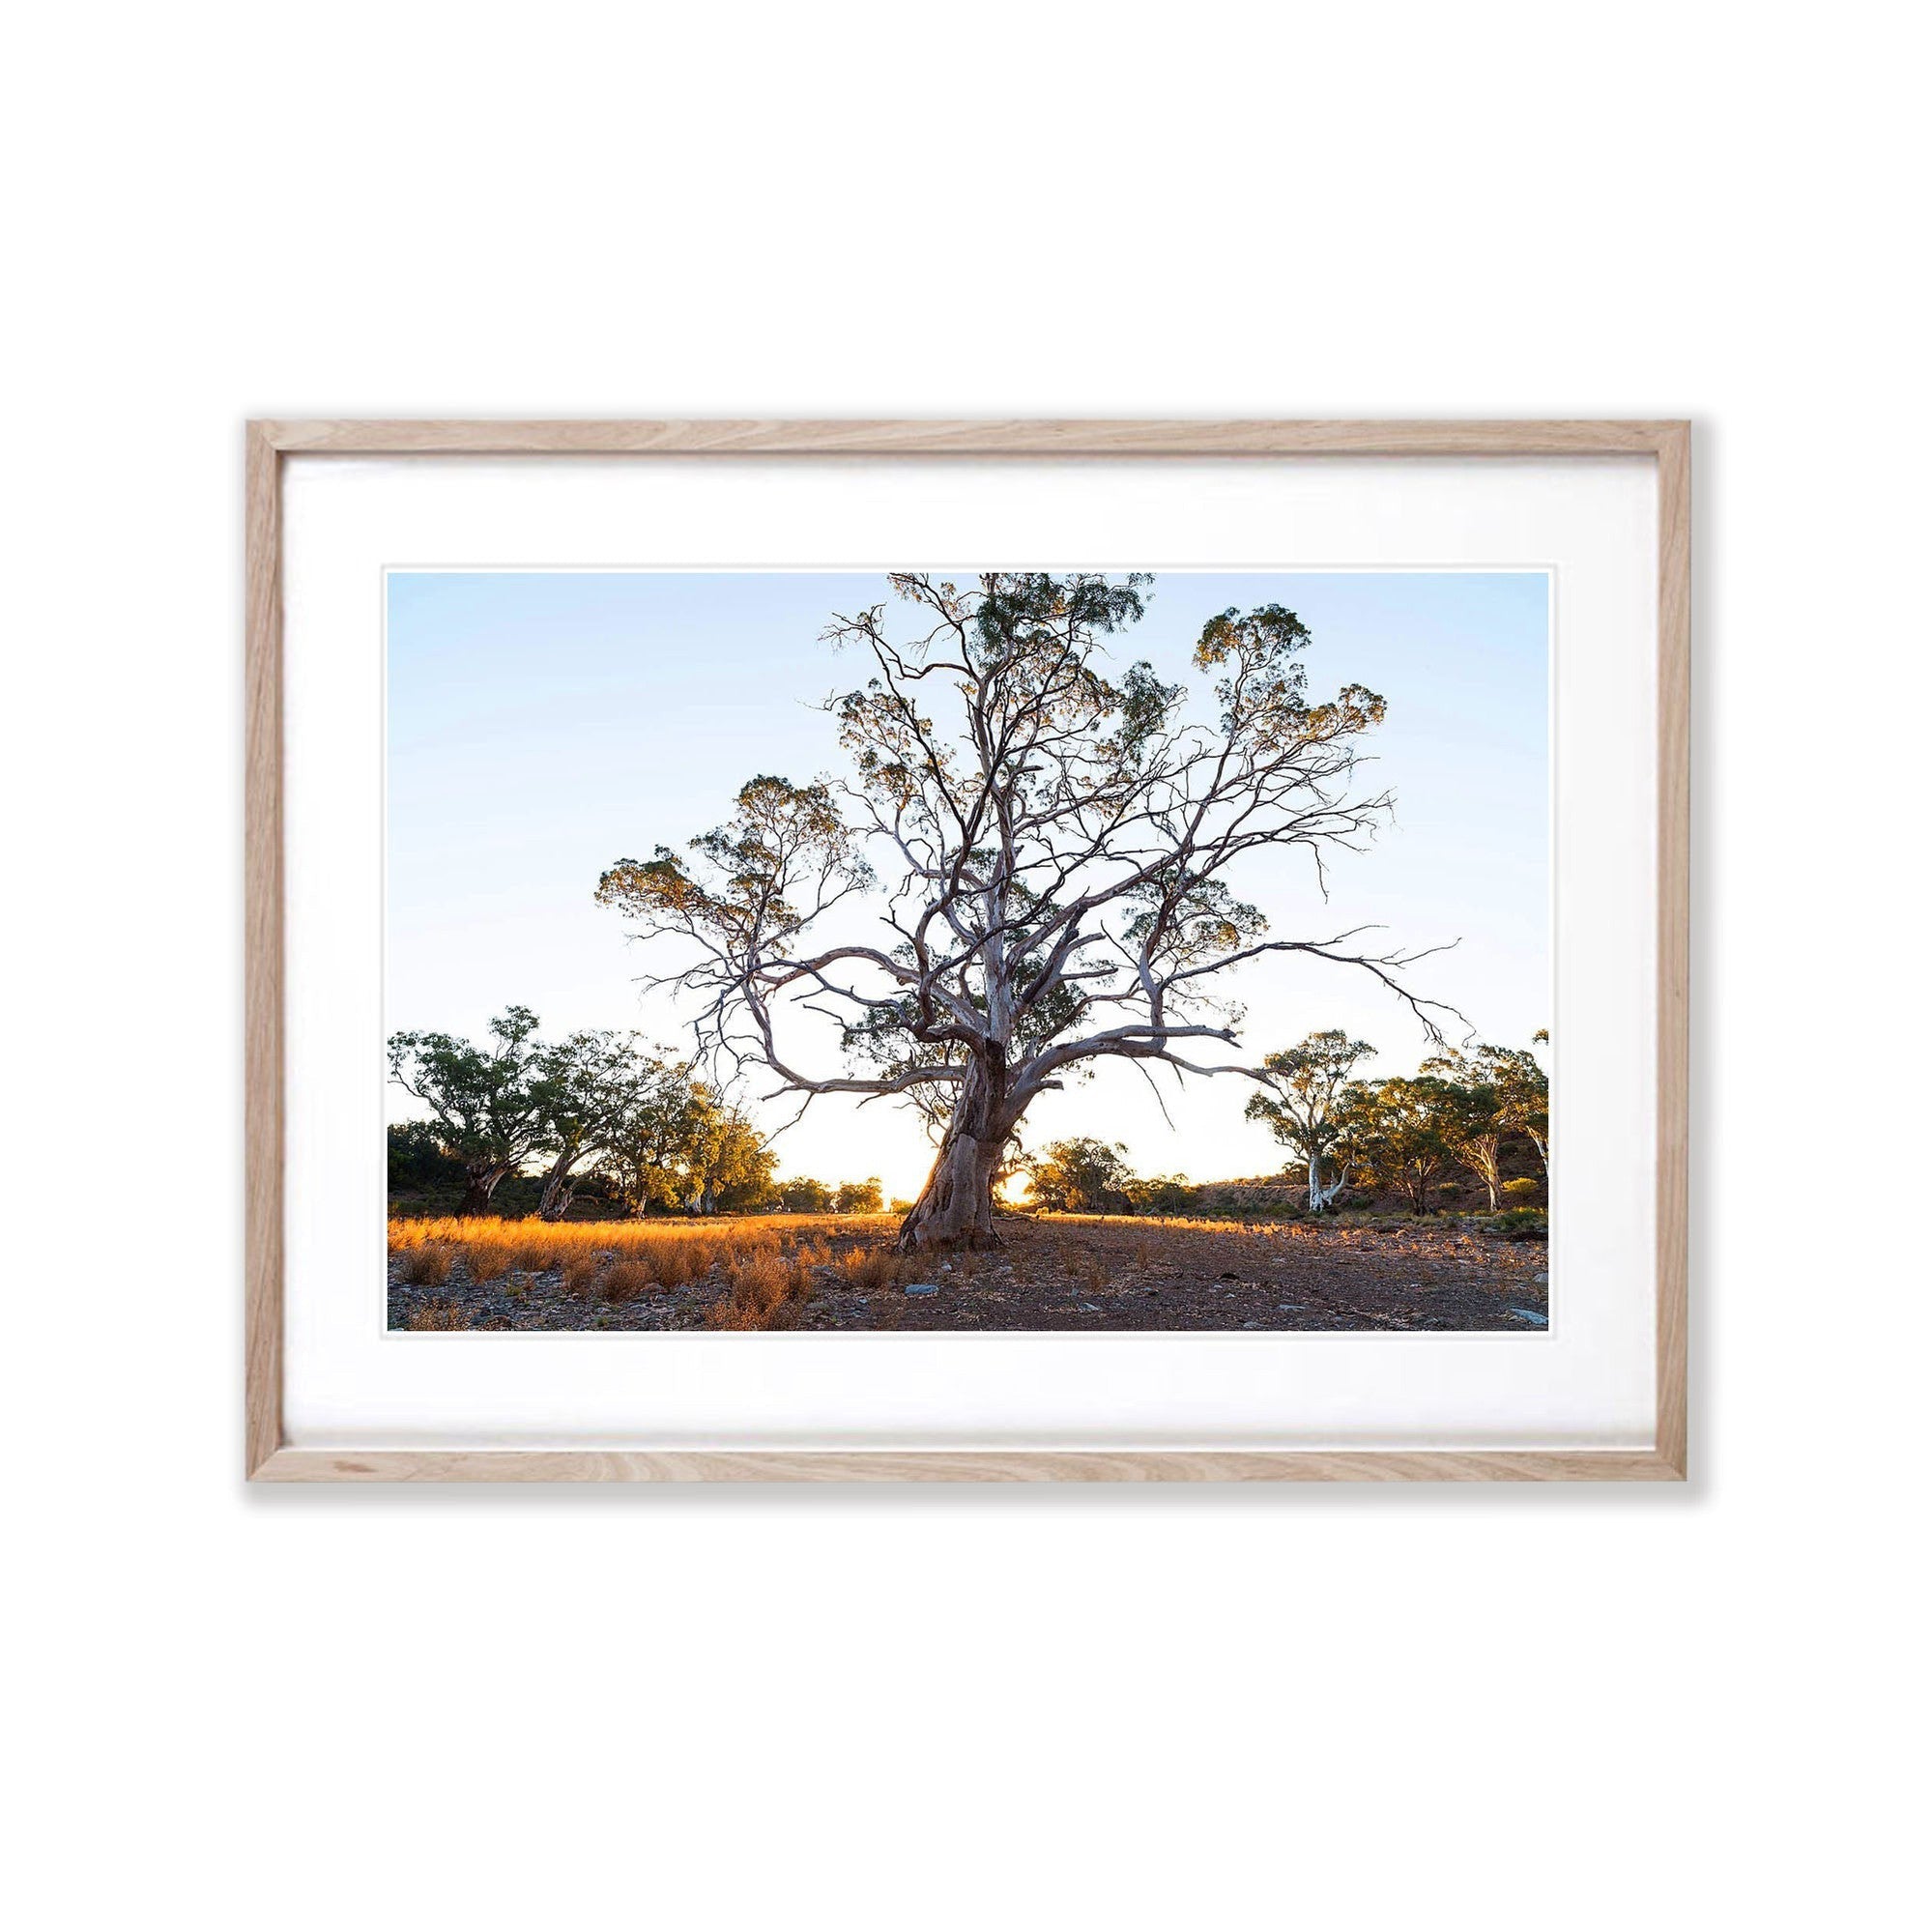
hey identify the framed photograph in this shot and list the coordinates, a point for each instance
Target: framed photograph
(967, 951)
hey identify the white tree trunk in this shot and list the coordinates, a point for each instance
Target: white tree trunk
(1320, 1198)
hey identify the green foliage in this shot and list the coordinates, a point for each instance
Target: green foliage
(1493, 1095)
(417, 1160)
(865, 1197)
(1396, 1132)
(779, 833)
(1522, 1091)
(721, 1161)
(590, 1086)
(1520, 1224)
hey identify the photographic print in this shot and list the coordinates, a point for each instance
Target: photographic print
(968, 949)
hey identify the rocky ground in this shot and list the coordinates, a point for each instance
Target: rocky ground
(1063, 1272)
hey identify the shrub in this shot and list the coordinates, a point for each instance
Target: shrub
(674, 1264)
(1521, 1188)
(426, 1266)
(869, 1267)
(1520, 1224)
(625, 1280)
(761, 1292)
(579, 1272)
(486, 1261)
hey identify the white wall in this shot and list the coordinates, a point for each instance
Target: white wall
(1334, 1709)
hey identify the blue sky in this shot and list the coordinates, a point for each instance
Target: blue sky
(543, 724)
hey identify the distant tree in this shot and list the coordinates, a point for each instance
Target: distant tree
(860, 1198)
(487, 1102)
(805, 1196)
(1080, 1176)
(1059, 838)
(1161, 1194)
(1395, 1129)
(589, 1087)
(1523, 1088)
(1303, 1107)
(1471, 1115)
(679, 1146)
(725, 1163)
(644, 1163)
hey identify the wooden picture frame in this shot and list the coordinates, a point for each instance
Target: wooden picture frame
(269, 1458)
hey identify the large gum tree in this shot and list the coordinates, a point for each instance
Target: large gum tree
(1055, 842)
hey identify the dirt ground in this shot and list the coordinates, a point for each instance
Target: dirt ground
(1055, 1272)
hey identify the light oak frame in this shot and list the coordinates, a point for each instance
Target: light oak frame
(270, 1458)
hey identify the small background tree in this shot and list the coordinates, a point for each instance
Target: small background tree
(589, 1086)
(1161, 1194)
(725, 1162)
(1470, 1116)
(1304, 1104)
(1082, 1177)
(1523, 1090)
(487, 1102)
(1394, 1129)
(803, 1195)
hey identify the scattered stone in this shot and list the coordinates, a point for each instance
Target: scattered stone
(922, 1287)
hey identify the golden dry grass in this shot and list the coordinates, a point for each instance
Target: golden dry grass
(869, 1267)
(767, 1260)
(486, 1261)
(762, 1290)
(426, 1266)
(674, 1253)
(625, 1278)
